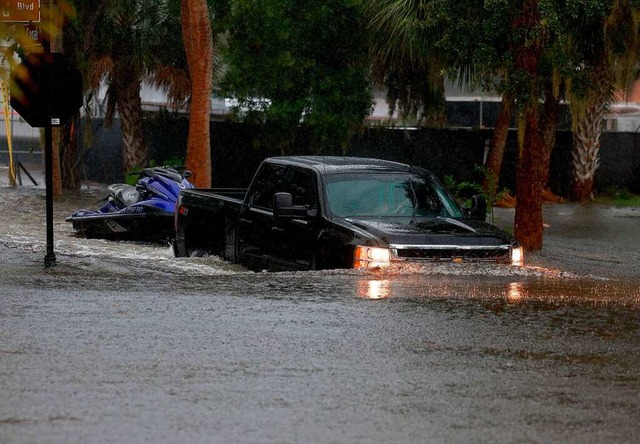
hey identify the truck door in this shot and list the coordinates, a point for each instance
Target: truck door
(295, 240)
(256, 239)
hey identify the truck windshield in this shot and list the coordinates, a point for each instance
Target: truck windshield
(389, 195)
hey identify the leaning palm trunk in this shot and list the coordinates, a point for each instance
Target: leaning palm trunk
(69, 157)
(135, 152)
(549, 124)
(498, 144)
(588, 118)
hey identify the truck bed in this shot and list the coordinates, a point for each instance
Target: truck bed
(205, 197)
(205, 221)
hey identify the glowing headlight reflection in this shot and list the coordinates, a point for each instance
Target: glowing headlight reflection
(515, 291)
(368, 257)
(517, 256)
(374, 289)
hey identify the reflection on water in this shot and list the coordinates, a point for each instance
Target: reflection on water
(421, 287)
(374, 289)
(515, 291)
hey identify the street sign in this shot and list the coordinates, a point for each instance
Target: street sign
(19, 11)
(46, 90)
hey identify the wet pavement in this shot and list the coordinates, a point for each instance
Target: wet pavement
(122, 342)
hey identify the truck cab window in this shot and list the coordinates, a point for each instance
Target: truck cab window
(302, 189)
(269, 181)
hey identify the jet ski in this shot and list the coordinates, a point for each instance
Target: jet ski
(142, 212)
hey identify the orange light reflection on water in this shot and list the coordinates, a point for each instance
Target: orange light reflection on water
(515, 291)
(374, 289)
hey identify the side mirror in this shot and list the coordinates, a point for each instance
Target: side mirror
(186, 174)
(478, 209)
(284, 210)
(282, 206)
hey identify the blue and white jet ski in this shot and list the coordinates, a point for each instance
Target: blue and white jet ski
(141, 212)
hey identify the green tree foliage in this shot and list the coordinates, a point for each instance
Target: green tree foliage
(122, 43)
(497, 44)
(516, 47)
(596, 48)
(407, 62)
(290, 62)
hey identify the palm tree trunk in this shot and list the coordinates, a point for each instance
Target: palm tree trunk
(135, 152)
(586, 135)
(198, 43)
(549, 124)
(528, 217)
(586, 153)
(69, 159)
(55, 162)
(498, 144)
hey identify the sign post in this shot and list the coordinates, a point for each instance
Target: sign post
(50, 257)
(46, 90)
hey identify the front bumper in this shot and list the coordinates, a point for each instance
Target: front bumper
(367, 257)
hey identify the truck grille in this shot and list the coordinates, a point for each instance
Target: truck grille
(450, 253)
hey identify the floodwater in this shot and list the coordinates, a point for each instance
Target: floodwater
(119, 341)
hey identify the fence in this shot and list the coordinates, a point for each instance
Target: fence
(237, 149)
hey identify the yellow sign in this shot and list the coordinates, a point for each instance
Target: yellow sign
(19, 11)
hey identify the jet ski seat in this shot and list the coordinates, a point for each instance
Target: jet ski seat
(127, 194)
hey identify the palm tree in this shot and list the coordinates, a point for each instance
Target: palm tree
(130, 41)
(588, 114)
(604, 47)
(198, 43)
(405, 60)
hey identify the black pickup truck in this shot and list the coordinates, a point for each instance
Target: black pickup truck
(314, 212)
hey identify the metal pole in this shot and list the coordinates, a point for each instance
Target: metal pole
(50, 258)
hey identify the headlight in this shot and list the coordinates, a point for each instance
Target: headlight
(517, 256)
(367, 257)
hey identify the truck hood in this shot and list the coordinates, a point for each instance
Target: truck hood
(431, 231)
